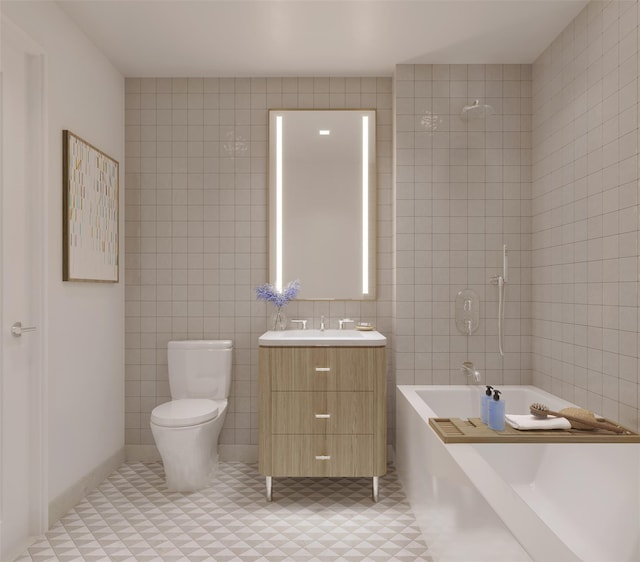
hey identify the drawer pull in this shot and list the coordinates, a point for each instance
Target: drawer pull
(323, 457)
(323, 416)
(323, 369)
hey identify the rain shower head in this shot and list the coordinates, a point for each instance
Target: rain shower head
(476, 110)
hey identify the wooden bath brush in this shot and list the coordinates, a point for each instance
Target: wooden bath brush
(579, 418)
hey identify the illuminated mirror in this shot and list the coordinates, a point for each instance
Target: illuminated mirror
(322, 205)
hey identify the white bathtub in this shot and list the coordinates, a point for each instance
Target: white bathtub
(511, 502)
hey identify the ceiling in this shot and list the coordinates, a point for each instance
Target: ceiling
(315, 37)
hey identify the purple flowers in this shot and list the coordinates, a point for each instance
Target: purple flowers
(269, 293)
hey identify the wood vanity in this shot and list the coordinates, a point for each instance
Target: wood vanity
(322, 412)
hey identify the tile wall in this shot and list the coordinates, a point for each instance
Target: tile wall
(553, 173)
(462, 191)
(196, 226)
(585, 212)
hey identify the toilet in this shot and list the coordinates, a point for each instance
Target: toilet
(186, 429)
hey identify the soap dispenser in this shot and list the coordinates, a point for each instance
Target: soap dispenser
(496, 412)
(484, 404)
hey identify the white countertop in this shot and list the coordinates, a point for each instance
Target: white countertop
(343, 338)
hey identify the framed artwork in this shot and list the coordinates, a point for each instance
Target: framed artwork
(90, 212)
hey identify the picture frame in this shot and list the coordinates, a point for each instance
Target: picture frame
(90, 207)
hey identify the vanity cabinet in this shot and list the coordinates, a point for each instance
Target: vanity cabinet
(322, 412)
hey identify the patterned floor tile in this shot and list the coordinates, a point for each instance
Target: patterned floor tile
(131, 516)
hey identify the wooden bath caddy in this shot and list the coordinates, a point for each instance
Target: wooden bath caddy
(456, 430)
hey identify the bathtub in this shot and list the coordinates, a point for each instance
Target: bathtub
(513, 502)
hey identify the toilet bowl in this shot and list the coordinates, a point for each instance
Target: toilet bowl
(186, 433)
(186, 429)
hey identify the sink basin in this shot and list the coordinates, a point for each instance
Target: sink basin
(345, 338)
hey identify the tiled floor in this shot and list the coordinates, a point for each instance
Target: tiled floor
(132, 516)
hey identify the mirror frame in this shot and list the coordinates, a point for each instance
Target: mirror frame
(368, 249)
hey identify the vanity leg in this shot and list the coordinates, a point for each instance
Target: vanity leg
(269, 483)
(375, 487)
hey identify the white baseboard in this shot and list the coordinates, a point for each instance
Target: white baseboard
(238, 453)
(229, 453)
(142, 453)
(391, 454)
(71, 496)
(18, 551)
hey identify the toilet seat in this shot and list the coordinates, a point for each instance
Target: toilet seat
(186, 412)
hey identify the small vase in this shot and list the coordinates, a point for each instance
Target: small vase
(278, 320)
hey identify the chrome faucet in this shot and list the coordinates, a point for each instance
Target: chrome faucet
(344, 321)
(322, 323)
(469, 369)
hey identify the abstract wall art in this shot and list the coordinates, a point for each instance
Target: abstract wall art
(90, 212)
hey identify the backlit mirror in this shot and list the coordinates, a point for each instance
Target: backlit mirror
(322, 208)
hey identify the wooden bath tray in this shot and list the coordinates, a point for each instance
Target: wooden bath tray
(456, 430)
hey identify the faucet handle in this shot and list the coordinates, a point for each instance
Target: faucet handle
(303, 323)
(344, 321)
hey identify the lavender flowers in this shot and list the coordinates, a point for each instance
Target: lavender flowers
(269, 293)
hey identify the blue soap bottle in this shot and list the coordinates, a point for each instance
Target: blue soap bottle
(484, 404)
(496, 412)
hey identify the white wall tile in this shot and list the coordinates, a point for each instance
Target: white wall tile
(472, 175)
(196, 225)
(590, 131)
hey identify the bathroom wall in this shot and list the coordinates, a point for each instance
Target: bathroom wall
(196, 220)
(585, 212)
(196, 229)
(84, 366)
(462, 191)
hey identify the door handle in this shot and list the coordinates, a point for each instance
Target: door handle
(17, 330)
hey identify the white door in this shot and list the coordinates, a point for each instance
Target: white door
(21, 392)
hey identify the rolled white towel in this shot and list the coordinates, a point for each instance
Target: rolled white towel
(529, 421)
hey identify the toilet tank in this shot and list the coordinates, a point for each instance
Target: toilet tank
(200, 368)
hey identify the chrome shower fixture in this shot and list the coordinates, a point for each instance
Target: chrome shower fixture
(501, 281)
(476, 110)
(469, 369)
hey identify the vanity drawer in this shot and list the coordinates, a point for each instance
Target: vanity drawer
(322, 368)
(322, 412)
(295, 384)
(316, 455)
